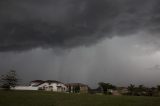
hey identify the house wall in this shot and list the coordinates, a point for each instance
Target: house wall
(83, 89)
(24, 88)
(53, 87)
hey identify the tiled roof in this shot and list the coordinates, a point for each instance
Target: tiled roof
(47, 81)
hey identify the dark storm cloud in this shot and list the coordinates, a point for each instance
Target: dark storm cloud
(27, 24)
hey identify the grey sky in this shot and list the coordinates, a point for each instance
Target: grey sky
(85, 41)
(120, 60)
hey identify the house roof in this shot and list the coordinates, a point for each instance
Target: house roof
(47, 81)
(58, 82)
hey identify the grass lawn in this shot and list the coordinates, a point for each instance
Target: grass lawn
(39, 98)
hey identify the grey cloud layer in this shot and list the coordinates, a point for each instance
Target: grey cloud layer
(27, 24)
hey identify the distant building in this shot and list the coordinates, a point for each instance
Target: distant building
(49, 85)
(56, 86)
(77, 88)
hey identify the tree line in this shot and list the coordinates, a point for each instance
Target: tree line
(141, 90)
(10, 80)
(132, 90)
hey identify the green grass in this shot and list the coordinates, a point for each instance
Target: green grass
(39, 98)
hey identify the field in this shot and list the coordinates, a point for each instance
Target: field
(39, 98)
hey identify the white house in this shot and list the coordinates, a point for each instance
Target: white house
(49, 85)
(52, 85)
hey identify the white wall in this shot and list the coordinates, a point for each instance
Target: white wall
(25, 88)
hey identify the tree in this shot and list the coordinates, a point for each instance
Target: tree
(106, 86)
(158, 87)
(69, 89)
(9, 80)
(131, 89)
(141, 87)
(141, 90)
(77, 89)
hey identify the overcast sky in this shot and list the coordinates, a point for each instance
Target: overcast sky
(87, 41)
